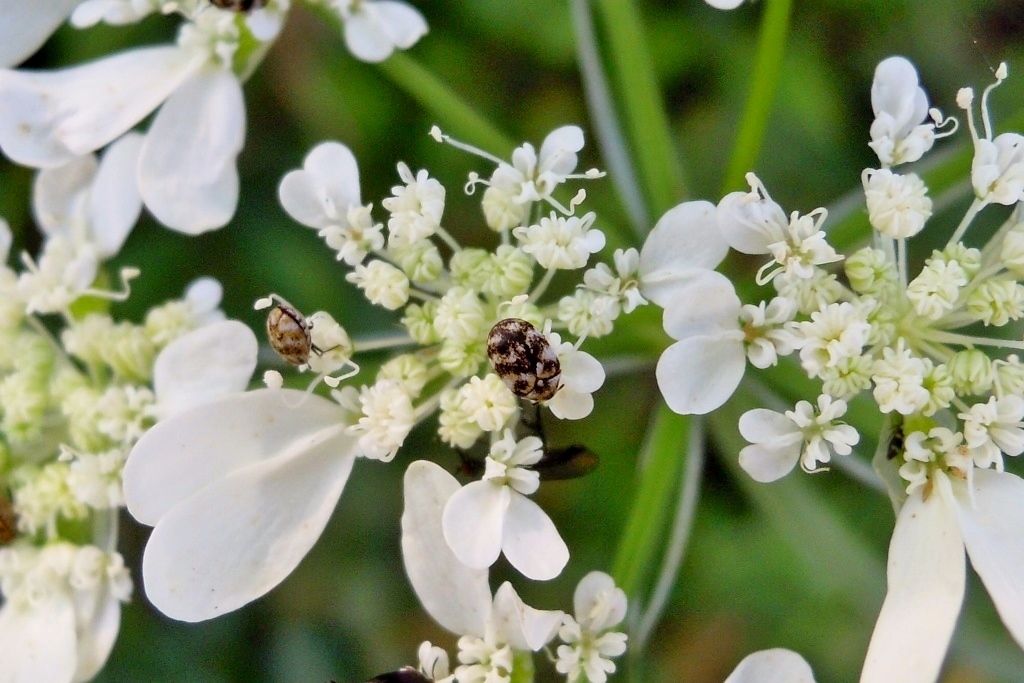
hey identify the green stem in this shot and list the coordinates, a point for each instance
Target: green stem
(455, 114)
(764, 80)
(650, 134)
(663, 460)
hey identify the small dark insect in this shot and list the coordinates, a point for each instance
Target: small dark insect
(288, 332)
(895, 446)
(406, 674)
(8, 521)
(524, 360)
(570, 462)
(239, 5)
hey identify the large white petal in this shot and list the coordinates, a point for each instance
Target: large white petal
(187, 172)
(992, 531)
(96, 637)
(181, 455)
(48, 118)
(558, 151)
(57, 194)
(777, 665)
(581, 371)
(531, 541)
(39, 642)
(27, 25)
(685, 239)
(456, 596)
(403, 23)
(114, 200)
(365, 35)
(771, 461)
(707, 305)
(473, 520)
(239, 537)
(926, 575)
(699, 374)
(204, 364)
(569, 404)
(518, 624)
(760, 425)
(327, 184)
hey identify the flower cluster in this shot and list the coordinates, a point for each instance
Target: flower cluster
(934, 350)
(78, 388)
(484, 352)
(184, 167)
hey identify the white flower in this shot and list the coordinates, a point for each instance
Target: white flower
(559, 242)
(325, 195)
(997, 171)
(533, 177)
(994, 428)
(623, 284)
(701, 370)
(200, 306)
(899, 378)
(487, 402)
(936, 289)
(415, 208)
(375, 28)
(765, 329)
(898, 205)
(926, 571)
(433, 663)
(685, 243)
(383, 284)
(26, 26)
(386, 418)
(493, 516)
(898, 135)
(62, 611)
(457, 596)
(581, 376)
(772, 666)
(186, 168)
(833, 334)
(590, 644)
(804, 435)
(95, 478)
(238, 491)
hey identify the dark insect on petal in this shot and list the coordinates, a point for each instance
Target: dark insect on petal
(566, 463)
(406, 674)
(524, 360)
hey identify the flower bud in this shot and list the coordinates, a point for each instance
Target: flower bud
(419, 322)
(470, 268)
(869, 272)
(129, 352)
(1011, 253)
(510, 272)
(971, 371)
(898, 205)
(996, 302)
(421, 261)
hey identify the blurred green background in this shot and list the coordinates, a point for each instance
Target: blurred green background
(755, 574)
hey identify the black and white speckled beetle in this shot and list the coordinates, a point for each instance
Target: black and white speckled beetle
(524, 360)
(239, 5)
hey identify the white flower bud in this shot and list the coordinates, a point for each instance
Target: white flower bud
(462, 358)
(996, 302)
(971, 371)
(421, 261)
(470, 268)
(43, 495)
(383, 284)
(24, 398)
(488, 402)
(460, 316)
(456, 427)
(510, 272)
(1011, 252)
(86, 338)
(409, 370)
(560, 242)
(898, 205)
(415, 208)
(587, 313)
(129, 352)
(936, 289)
(501, 210)
(1009, 375)
(419, 322)
(870, 272)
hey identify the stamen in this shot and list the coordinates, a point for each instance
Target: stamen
(1000, 77)
(762, 277)
(435, 132)
(952, 122)
(474, 179)
(965, 100)
(334, 380)
(126, 275)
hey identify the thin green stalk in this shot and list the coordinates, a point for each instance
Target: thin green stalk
(647, 125)
(606, 119)
(662, 458)
(454, 114)
(764, 80)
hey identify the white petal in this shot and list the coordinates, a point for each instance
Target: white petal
(531, 542)
(707, 305)
(473, 520)
(403, 23)
(760, 425)
(769, 462)
(239, 537)
(204, 364)
(57, 194)
(684, 239)
(777, 665)
(27, 25)
(894, 88)
(187, 171)
(581, 371)
(590, 592)
(366, 37)
(926, 578)
(204, 295)
(114, 201)
(992, 533)
(725, 4)
(96, 639)
(457, 597)
(518, 624)
(568, 404)
(328, 181)
(751, 226)
(699, 374)
(39, 643)
(181, 455)
(558, 151)
(48, 118)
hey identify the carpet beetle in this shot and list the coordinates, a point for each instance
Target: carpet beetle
(288, 332)
(524, 359)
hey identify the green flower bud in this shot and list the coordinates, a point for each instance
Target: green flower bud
(996, 302)
(462, 358)
(1011, 252)
(1009, 375)
(419, 321)
(471, 268)
(968, 258)
(971, 372)
(25, 398)
(421, 261)
(166, 323)
(869, 272)
(408, 369)
(130, 352)
(939, 383)
(511, 272)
